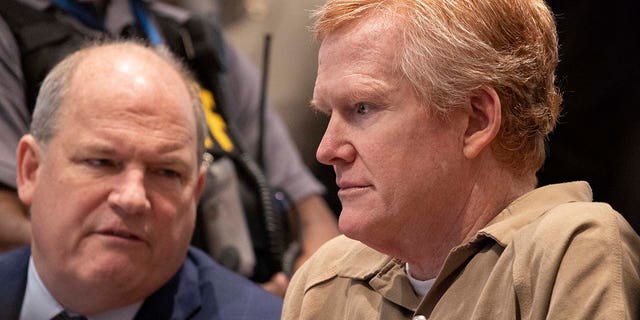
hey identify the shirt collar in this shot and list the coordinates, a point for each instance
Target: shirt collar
(387, 275)
(384, 274)
(362, 262)
(40, 304)
(530, 207)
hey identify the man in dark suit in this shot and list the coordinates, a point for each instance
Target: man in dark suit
(112, 171)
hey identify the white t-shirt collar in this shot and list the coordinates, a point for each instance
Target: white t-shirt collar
(421, 287)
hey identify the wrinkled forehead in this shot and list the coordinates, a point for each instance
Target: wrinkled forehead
(126, 85)
(367, 31)
(366, 49)
(356, 44)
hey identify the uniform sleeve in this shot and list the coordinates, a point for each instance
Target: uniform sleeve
(584, 265)
(294, 297)
(14, 114)
(284, 166)
(319, 268)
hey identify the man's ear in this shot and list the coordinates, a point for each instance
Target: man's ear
(202, 174)
(485, 117)
(29, 159)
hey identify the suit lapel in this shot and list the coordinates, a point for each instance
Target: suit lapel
(13, 277)
(177, 299)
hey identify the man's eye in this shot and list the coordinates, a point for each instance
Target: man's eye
(363, 108)
(168, 173)
(100, 163)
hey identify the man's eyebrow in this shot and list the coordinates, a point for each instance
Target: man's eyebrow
(172, 162)
(368, 90)
(98, 148)
(372, 89)
(169, 155)
(313, 105)
(170, 147)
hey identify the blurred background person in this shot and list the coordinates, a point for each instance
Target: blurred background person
(293, 64)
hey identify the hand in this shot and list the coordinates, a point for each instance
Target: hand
(277, 284)
(317, 226)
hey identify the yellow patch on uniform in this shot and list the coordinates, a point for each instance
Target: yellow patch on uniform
(216, 124)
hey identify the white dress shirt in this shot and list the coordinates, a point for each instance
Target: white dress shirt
(38, 302)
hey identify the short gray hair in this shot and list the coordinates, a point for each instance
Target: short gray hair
(57, 83)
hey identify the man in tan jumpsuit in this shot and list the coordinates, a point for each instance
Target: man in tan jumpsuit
(438, 114)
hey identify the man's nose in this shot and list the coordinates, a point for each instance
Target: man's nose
(335, 146)
(130, 196)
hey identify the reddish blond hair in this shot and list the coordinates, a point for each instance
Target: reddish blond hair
(454, 47)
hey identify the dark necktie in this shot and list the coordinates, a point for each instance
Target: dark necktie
(65, 316)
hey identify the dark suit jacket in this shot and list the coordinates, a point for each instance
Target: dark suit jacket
(201, 289)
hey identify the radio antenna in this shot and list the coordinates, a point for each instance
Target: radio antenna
(263, 98)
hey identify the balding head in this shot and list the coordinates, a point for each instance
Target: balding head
(99, 60)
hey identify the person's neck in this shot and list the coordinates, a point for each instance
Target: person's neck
(492, 189)
(96, 299)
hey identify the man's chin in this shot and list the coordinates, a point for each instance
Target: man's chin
(353, 224)
(112, 266)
